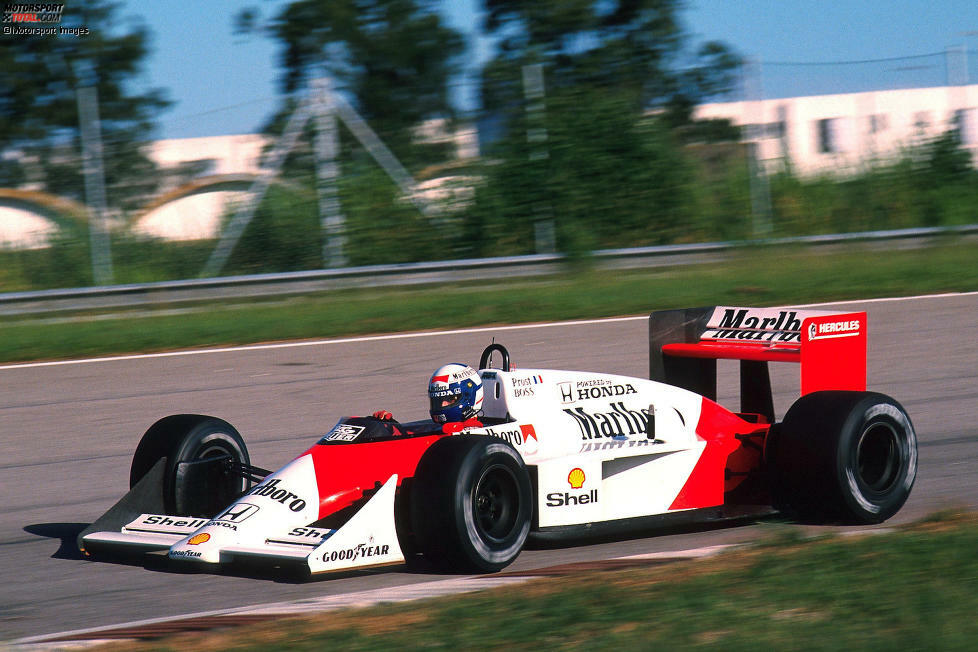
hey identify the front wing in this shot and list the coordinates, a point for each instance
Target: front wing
(368, 539)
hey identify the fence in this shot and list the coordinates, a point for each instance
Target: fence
(205, 290)
(852, 115)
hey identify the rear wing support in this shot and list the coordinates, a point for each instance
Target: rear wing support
(685, 344)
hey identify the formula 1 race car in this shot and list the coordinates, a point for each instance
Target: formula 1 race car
(557, 453)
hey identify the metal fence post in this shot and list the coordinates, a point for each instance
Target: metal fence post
(536, 135)
(760, 191)
(327, 173)
(94, 173)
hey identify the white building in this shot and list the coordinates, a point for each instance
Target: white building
(223, 169)
(194, 211)
(227, 154)
(842, 133)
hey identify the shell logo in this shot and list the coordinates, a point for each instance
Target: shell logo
(198, 539)
(576, 478)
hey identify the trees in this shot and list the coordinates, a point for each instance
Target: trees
(600, 152)
(392, 57)
(637, 48)
(619, 80)
(39, 132)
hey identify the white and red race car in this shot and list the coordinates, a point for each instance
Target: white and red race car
(559, 453)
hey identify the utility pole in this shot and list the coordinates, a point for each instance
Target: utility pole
(956, 69)
(536, 136)
(327, 173)
(760, 190)
(956, 65)
(94, 173)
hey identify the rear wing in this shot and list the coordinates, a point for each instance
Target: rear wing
(685, 344)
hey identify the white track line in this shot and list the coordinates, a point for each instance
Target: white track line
(401, 336)
(886, 299)
(290, 345)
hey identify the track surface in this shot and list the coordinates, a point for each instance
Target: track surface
(68, 432)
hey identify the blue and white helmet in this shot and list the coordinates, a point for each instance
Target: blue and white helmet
(455, 391)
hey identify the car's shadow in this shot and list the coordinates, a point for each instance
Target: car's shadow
(574, 540)
(67, 532)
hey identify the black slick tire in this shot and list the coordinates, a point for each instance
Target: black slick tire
(188, 438)
(843, 455)
(471, 504)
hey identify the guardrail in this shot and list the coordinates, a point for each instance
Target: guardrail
(198, 290)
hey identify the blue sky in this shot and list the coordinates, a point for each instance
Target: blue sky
(224, 84)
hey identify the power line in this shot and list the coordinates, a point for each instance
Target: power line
(468, 82)
(854, 62)
(222, 109)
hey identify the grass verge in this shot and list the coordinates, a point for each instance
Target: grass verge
(915, 588)
(751, 277)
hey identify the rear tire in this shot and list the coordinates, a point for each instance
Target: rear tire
(471, 504)
(192, 438)
(841, 455)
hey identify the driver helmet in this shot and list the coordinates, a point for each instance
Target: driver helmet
(455, 392)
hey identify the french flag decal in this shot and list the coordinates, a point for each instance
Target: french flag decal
(537, 379)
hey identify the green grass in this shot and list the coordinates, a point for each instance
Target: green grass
(749, 277)
(916, 588)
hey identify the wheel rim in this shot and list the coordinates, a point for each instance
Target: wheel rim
(496, 503)
(217, 491)
(229, 485)
(212, 450)
(878, 456)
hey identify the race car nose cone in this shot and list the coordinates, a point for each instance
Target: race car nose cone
(202, 546)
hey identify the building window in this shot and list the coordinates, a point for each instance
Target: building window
(827, 136)
(782, 121)
(964, 125)
(878, 123)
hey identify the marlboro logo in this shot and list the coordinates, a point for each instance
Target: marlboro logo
(746, 324)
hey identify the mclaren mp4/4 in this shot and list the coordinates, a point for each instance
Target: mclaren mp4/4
(558, 453)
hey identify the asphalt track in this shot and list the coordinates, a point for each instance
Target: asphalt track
(68, 432)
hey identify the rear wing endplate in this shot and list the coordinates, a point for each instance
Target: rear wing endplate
(685, 344)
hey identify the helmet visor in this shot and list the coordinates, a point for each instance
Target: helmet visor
(441, 403)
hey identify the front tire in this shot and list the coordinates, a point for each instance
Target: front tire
(843, 455)
(471, 504)
(190, 489)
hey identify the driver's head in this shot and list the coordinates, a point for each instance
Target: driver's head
(455, 391)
